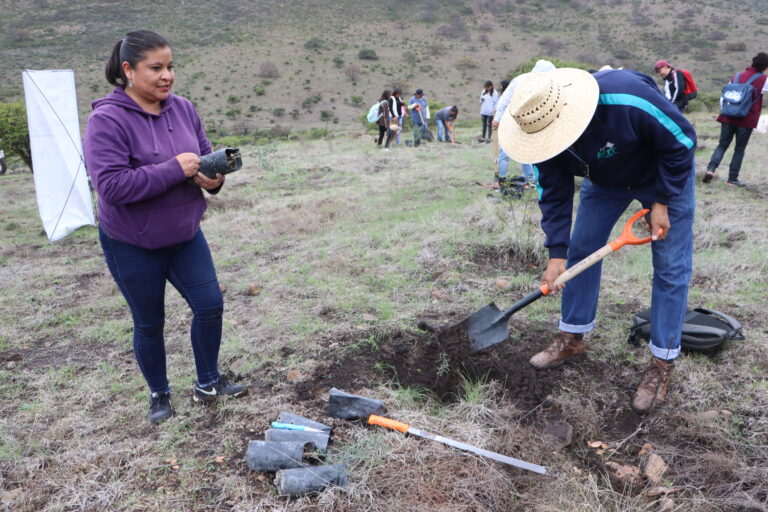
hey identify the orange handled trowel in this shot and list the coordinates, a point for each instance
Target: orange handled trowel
(407, 429)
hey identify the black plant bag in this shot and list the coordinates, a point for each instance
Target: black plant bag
(703, 329)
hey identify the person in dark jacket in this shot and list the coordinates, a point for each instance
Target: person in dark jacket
(617, 131)
(398, 109)
(385, 118)
(731, 127)
(674, 84)
(142, 152)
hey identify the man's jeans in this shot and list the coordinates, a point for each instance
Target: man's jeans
(727, 132)
(503, 163)
(417, 134)
(141, 275)
(599, 209)
(442, 132)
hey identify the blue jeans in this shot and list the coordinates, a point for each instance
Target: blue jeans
(599, 209)
(727, 132)
(400, 124)
(528, 174)
(503, 163)
(141, 275)
(442, 131)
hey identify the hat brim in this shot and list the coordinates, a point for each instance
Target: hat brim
(581, 94)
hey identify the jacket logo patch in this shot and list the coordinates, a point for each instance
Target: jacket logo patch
(606, 151)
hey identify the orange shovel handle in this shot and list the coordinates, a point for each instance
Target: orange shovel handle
(388, 423)
(627, 237)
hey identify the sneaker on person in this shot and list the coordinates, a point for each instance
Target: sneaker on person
(653, 387)
(708, 176)
(222, 387)
(736, 183)
(159, 407)
(565, 345)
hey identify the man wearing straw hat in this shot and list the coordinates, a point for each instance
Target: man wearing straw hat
(628, 142)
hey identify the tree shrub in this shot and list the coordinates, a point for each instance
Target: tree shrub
(315, 44)
(14, 131)
(367, 54)
(268, 70)
(735, 47)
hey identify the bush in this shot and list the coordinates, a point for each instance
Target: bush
(268, 70)
(309, 102)
(466, 64)
(352, 73)
(551, 45)
(367, 54)
(735, 47)
(338, 61)
(356, 100)
(454, 30)
(716, 35)
(14, 131)
(259, 90)
(315, 44)
(232, 99)
(527, 66)
(278, 112)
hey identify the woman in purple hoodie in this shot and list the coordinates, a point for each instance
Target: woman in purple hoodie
(142, 151)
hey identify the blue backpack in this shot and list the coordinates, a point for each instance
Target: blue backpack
(737, 98)
(373, 113)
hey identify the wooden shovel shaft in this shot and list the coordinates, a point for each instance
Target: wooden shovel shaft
(583, 265)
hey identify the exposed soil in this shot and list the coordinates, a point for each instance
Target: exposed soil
(439, 362)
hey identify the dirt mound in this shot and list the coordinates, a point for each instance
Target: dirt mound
(437, 362)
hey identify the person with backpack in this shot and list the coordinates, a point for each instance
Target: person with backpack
(384, 119)
(629, 143)
(674, 84)
(418, 107)
(739, 118)
(488, 99)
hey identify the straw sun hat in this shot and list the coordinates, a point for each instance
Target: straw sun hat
(547, 113)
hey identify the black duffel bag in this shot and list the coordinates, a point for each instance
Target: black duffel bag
(703, 329)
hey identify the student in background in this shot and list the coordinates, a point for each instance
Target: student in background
(444, 119)
(385, 118)
(488, 100)
(418, 107)
(398, 108)
(741, 128)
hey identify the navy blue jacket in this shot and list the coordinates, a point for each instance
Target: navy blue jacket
(636, 139)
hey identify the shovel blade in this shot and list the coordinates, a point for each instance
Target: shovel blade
(486, 328)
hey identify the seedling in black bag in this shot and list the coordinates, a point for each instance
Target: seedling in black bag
(223, 161)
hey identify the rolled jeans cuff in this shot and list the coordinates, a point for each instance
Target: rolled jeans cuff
(664, 353)
(577, 329)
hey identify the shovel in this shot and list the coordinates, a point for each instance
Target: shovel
(489, 325)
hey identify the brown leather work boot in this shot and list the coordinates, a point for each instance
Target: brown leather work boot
(653, 386)
(564, 346)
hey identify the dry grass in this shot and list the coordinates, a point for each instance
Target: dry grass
(344, 242)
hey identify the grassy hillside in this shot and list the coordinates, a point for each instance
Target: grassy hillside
(346, 251)
(263, 65)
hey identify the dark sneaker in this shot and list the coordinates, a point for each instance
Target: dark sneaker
(736, 183)
(159, 407)
(653, 386)
(565, 345)
(224, 387)
(708, 176)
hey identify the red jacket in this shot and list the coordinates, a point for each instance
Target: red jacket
(754, 113)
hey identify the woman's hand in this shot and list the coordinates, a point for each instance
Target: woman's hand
(555, 267)
(207, 183)
(190, 163)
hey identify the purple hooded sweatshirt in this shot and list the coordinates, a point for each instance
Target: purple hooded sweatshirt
(144, 196)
